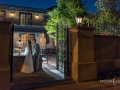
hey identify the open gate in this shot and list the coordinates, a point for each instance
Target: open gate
(63, 55)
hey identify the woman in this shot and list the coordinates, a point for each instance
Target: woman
(28, 63)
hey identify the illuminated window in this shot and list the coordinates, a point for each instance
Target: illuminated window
(24, 39)
(25, 19)
(31, 36)
(22, 19)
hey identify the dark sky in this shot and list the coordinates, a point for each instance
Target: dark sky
(91, 5)
(45, 3)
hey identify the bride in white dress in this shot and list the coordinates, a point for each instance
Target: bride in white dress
(28, 62)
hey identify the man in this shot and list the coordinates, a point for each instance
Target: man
(36, 54)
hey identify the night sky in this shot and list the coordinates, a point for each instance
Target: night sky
(45, 3)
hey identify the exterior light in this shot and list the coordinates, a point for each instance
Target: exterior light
(37, 17)
(12, 14)
(78, 19)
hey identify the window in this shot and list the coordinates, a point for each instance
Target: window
(26, 37)
(46, 17)
(25, 19)
(22, 19)
(31, 36)
(2, 16)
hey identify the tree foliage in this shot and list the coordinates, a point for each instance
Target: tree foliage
(64, 15)
(107, 17)
(108, 12)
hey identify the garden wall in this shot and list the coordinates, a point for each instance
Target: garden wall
(107, 53)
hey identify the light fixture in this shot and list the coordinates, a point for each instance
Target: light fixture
(78, 19)
(36, 16)
(12, 14)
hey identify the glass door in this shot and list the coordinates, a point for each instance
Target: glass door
(22, 19)
(31, 36)
(25, 19)
(24, 39)
(28, 19)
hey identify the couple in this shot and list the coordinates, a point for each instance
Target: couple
(31, 62)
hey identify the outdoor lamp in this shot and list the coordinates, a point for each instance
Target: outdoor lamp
(37, 17)
(12, 14)
(78, 19)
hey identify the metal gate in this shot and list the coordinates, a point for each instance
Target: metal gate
(63, 54)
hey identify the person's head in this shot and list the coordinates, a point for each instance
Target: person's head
(29, 42)
(34, 41)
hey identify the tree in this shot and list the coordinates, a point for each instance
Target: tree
(108, 11)
(64, 15)
(107, 18)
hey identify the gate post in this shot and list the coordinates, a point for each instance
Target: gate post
(4, 55)
(83, 65)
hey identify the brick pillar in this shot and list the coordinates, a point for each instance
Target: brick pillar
(82, 45)
(4, 56)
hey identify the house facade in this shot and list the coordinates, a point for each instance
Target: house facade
(20, 15)
(28, 22)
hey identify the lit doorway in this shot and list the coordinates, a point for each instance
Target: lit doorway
(26, 37)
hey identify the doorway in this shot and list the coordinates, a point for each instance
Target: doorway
(25, 18)
(25, 37)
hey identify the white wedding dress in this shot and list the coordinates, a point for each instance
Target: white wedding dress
(28, 62)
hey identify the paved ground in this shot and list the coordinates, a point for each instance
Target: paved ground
(106, 84)
(39, 76)
(45, 77)
(51, 84)
(90, 85)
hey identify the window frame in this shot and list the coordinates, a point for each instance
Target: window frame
(25, 17)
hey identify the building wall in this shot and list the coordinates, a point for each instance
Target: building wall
(37, 16)
(14, 16)
(38, 19)
(11, 15)
(107, 52)
(5, 55)
(41, 40)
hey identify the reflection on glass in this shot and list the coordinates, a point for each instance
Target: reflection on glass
(25, 19)
(20, 45)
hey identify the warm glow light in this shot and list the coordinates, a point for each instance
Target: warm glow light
(12, 14)
(42, 41)
(78, 19)
(36, 16)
